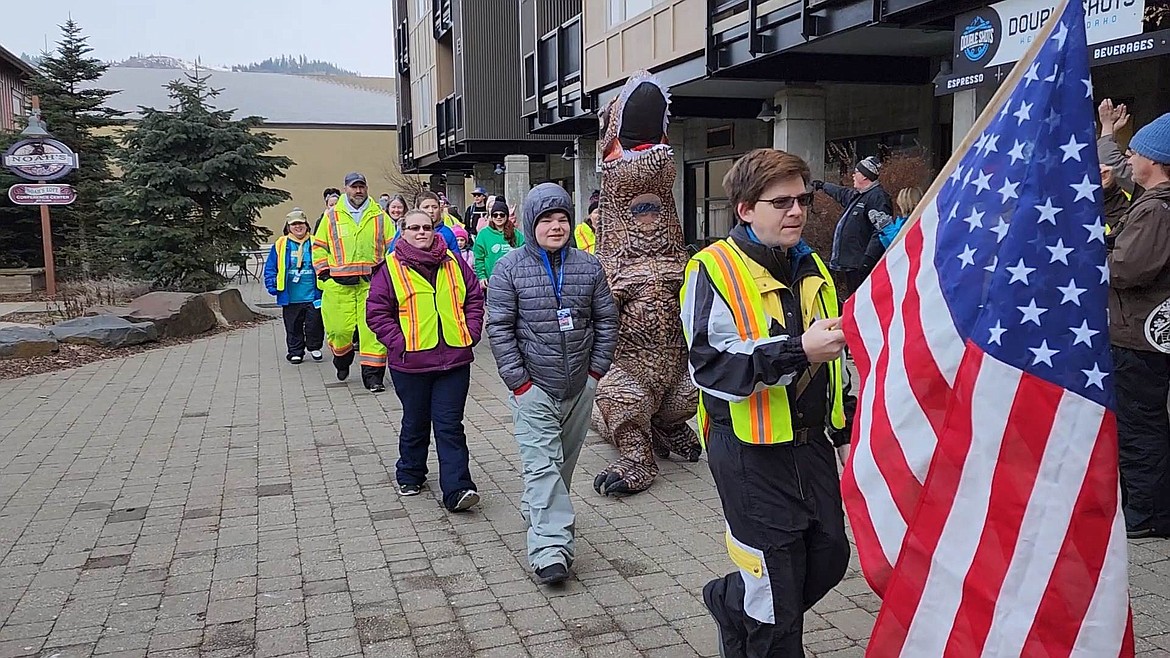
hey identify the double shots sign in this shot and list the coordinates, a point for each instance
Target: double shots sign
(1000, 34)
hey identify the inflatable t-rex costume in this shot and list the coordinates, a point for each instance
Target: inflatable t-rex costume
(646, 399)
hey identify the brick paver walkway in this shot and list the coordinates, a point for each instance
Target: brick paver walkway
(212, 500)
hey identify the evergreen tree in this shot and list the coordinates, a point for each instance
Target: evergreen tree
(78, 117)
(193, 185)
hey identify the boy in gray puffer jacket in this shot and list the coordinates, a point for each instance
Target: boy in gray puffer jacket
(553, 329)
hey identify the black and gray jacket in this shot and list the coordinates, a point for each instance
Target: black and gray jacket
(729, 369)
(522, 309)
(856, 245)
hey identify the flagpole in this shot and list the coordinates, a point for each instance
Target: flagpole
(986, 117)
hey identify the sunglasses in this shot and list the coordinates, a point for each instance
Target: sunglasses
(785, 202)
(416, 228)
(499, 214)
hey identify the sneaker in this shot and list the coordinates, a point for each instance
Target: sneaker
(552, 574)
(342, 374)
(1145, 532)
(316, 354)
(376, 387)
(465, 500)
(409, 489)
(295, 359)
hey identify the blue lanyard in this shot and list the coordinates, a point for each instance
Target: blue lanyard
(558, 281)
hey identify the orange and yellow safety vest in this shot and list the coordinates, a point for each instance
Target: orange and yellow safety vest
(765, 417)
(424, 309)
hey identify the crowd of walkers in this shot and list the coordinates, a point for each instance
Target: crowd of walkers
(410, 285)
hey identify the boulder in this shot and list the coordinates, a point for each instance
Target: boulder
(22, 341)
(228, 306)
(104, 331)
(174, 314)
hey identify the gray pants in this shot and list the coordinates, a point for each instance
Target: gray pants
(550, 434)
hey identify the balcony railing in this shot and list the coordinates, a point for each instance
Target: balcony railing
(402, 45)
(448, 121)
(738, 31)
(441, 13)
(558, 72)
(406, 145)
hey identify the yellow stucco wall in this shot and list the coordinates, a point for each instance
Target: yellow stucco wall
(323, 157)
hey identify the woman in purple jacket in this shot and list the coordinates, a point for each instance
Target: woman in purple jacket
(426, 307)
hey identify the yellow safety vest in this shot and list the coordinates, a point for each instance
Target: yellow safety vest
(423, 308)
(349, 248)
(586, 238)
(281, 260)
(765, 417)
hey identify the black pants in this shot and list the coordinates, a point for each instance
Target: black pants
(851, 280)
(302, 328)
(1142, 381)
(434, 399)
(782, 503)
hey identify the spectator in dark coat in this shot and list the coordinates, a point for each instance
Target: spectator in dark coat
(857, 243)
(1139, 330)
(553, 329)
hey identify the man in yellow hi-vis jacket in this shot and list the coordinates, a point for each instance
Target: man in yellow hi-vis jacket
(351, 239)
(761, 320)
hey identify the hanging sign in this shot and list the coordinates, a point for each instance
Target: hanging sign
(40, 159)
(1000, 34)
(32, 194)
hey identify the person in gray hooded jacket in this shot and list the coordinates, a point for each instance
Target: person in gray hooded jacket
(553, 330)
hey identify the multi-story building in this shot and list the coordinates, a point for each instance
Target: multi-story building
(14, 99)
(460, 90)
(815, 77)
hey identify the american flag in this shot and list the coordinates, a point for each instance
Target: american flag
(983, 485)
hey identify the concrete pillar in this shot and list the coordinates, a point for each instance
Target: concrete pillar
(586, 178)
(455, 189)
(799, 127)
(485, 176)
(516, 180)
(969, 104)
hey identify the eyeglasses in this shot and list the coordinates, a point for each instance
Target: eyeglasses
(416, 228)
(785, 202)
(499, 214)
(482, 195)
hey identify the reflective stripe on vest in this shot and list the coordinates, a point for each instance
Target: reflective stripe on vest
(282, 259)
(765, 417)
(586, 238)
(423, 309)
(352, 261)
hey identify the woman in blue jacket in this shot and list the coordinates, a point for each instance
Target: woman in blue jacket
(289, 276)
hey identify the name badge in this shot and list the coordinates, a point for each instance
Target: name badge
(565, 319)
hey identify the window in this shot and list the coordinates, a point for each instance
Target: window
(621, 11)
(425, 110)
(529, 75)
(547, 69)
(570, 50)
(17, 103)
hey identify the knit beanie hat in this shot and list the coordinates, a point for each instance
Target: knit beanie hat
(460, 232)
(1153, 140)
(870, 167)
(500, 206)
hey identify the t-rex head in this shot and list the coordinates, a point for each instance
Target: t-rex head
(636, 120)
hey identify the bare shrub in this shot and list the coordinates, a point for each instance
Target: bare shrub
(76, 297)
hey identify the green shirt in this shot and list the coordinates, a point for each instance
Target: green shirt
(490, 247)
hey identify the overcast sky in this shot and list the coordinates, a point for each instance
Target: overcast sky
(356, 35)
